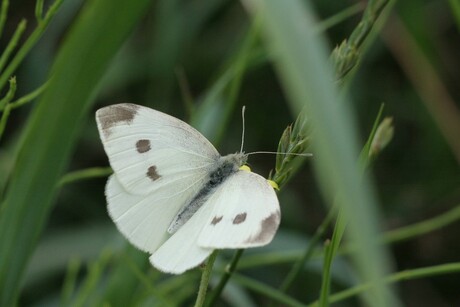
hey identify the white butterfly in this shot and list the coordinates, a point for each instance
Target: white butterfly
(172, 194)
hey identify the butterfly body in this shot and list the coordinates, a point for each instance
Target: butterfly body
(174, 196)
(225, 166)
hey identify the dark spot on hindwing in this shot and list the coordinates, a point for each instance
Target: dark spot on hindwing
(143, 146)
(112, 115)
(239, 218)
(216, 220)
(152, 173)
(268, 228)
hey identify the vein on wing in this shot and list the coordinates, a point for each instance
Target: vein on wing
(180, 170)
(179, 149)
(162, 198)
(152, 212)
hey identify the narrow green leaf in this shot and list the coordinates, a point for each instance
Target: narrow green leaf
(47, 141)
(307, 78)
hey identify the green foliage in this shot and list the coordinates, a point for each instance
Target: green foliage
(57, 245)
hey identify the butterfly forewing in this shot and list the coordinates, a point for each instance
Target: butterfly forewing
(153, 152)
(245, 213)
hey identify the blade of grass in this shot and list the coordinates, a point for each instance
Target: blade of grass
(442, 269)
(266, 291)
(84, 174)
(423, 227)
(326, 278)
(308, 253)
(70, 281)
(306, 77)
(48, 138)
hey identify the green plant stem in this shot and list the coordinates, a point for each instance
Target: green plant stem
(326, 280)
(27, 98)
(88, 173)
(3, 14)
(5, 103)
(70, 281)
(426, 226)
(240, 65)
(29, 43)
(89, 285)
(205, 279)
(267, 291)
(448, 268)
(300, 263)
(339, 17)
(39, 11)
(12, 43)
(455, 9)
(224, 278)
(348, 53)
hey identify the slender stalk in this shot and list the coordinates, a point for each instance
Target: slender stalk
(205, 279)
(27, 98)
(29, 43)
(5, 102)
(39, 11)
(12, 43)
(326, 280)
(426, 226)
(448, 268)
(88, 173)
(70, 281)
(300, 263)
(267, 291)
(3, 13)
(224, 279)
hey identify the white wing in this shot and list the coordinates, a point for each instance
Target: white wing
(245, 213)
(142, 219)
(153, 152)
(160, 164)
(181, 251)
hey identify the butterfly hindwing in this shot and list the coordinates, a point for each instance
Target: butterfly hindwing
(245, 213)
(181, 251)
(142, 219)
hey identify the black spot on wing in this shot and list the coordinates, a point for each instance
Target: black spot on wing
(112, 115)
(143, 146)
(239, 218)
(268, 228)
(152, 173)
(216, 220)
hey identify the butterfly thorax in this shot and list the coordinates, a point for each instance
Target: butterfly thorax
(224, 167)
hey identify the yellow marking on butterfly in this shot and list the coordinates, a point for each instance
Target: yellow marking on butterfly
(245, 168)
(273, 184)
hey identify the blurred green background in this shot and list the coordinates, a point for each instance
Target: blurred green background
(178, 51)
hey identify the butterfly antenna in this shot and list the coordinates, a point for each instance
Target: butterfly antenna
(281, 153)
(242, 134)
